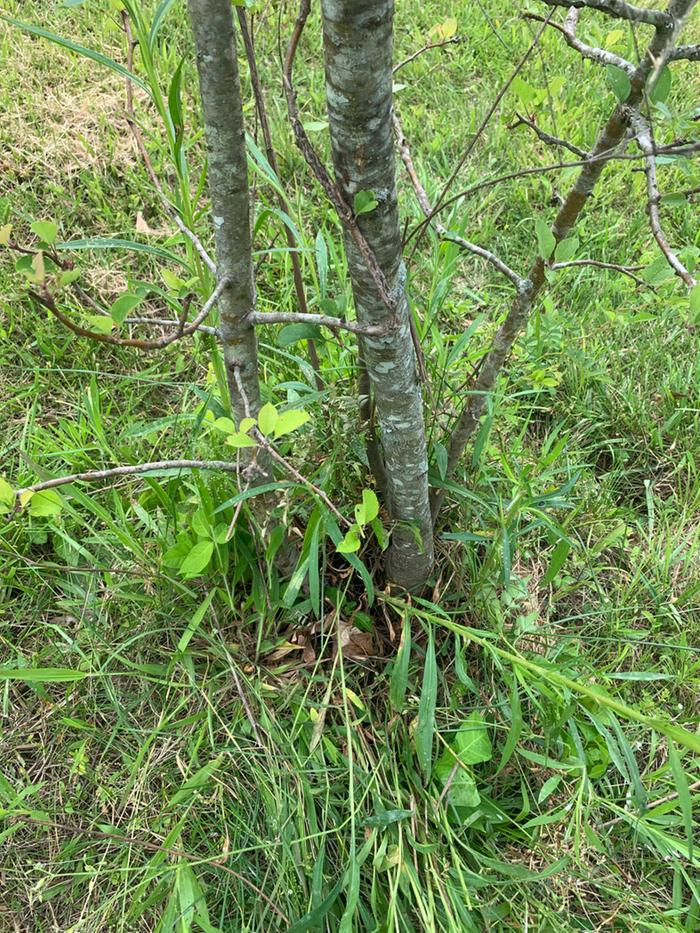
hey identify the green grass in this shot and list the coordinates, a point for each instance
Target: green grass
(211, 760)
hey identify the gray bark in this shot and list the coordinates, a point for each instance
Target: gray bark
(357, 42)
(213, 29)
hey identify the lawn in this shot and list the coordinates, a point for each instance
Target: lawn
(234, 749)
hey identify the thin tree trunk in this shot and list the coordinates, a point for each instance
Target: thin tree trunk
(358, 58)
(611, 136)
(212, 26)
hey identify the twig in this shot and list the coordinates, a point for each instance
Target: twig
(621, 10)
(546, 137)
(594, 54)
(598, 264)
(453, 40)
(129, 470)
(652, 804)
(292, 470)
(46, 299)
(322, 320)
(156, 847)
(140, 144)
(162, 322)
(690, 53)
(646, 144)
(442, 232)
(281, 198)
(482, 126)
(682, 149)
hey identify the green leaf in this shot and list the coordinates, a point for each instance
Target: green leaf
(292, 333)
(658, 271)
(368, 509)
(662, 88)
(67, 278)
(5, 233)
(238, 439)
(45, 503)
(103, 242)
(80, 49)
(289, 421)
(545, 238)
(198, 558)
(399, 673)
(425, 726)
(364, 202)
(525, 92)
(195, 622)
(42, 675)
(683, 791)
(695, 299)
(100, 323)
(463, 791)
(315, 126)
(566, 250)
(157, 22)
(472, 742)
(7, 496)
(224, 424)
(351, 541)
(267, 418)
(46, 230)
(559, 555)
(619, 82)
(123, 305)
(548, 788)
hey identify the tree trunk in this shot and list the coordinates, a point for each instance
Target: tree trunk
(357, 39)
(212, 26)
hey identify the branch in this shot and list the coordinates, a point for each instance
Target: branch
(454, 40)
(141, 146)
(598, 264)
(690, 53)
(46, 299)
(163, 322)
(568, 30)
(442, 232)
(546, 137)
(621, 10)
(646, 144)
(132, 470)
(265, 443)
(322, 320)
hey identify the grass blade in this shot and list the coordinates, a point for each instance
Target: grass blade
(425, 728)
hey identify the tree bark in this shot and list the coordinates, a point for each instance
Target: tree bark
(213, 30)
(357, 39)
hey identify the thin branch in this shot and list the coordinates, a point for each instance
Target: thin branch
(689, 53)
(322, 320)
(292, 470)
(598, 264)
(141, 146)
(594, 54)
(442, 232)
(46, 299)
(281, 198)
(163, 322)
(454, 40)
(620, 10)
(137, 469)
(646, 144)
(546, 137)
(682, 149)
(484, 123)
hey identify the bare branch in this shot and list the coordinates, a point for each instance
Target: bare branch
(568, 30)
(629, 271)
(690, 53)
(454, 40)
(141, 146)
(546, 137)
(292, 470)
(646, 144)
(442, 232)
(137, 469)
(163, 322)
(46, 299)
(322, 320)
(620, 10)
